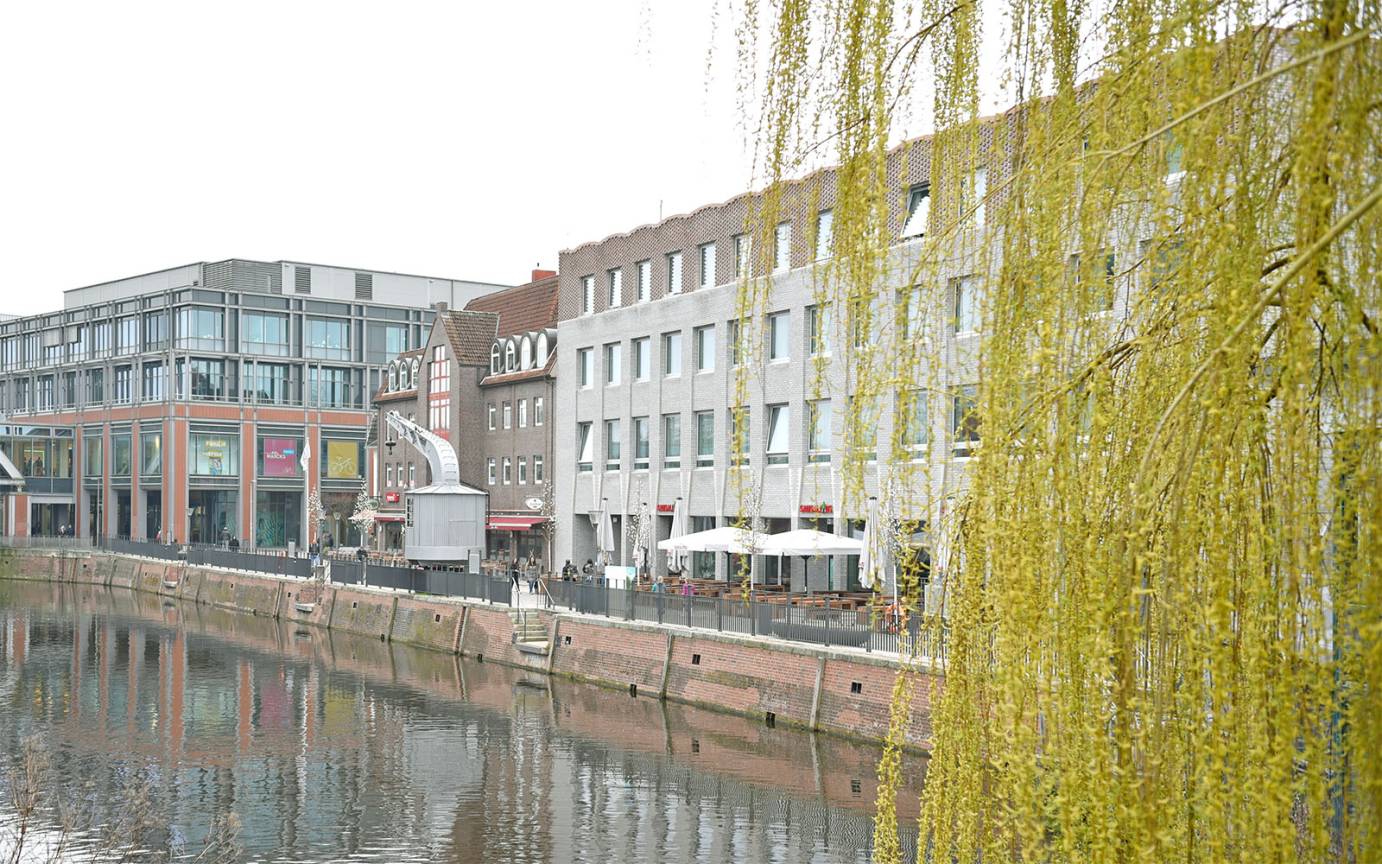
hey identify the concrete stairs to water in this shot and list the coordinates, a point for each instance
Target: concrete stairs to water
(529, 632)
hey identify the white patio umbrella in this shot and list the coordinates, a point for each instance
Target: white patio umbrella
(729, 539)
(605, 537)
(810, 543)
(676, 557)
(873, 559)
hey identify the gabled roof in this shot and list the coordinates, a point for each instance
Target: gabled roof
(521, 309)
(471, 334)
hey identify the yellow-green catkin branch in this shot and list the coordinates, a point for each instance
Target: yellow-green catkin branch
(1158, 625)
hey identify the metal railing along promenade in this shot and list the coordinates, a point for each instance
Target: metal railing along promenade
(823, 623)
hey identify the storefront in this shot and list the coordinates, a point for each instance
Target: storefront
(342, 481)
(213, 467)
(517, 538)
(278, 503)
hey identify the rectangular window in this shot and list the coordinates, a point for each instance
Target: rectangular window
(779, 422)
(671, 440)
(439, 371)
(120, 392)
(585, 366)
(705, 439)
(910, 418)
(493, 469)
(642, 358)
(585, 447)
(493, 413)
(271, 382)
(537, 469)
(966, 304)
(612, 445)
(705, 348)
(778, 327)
(587, 295)
(151, 453)
(95, 386)
(388, 475)
(412, 480)
(154, 375)
(539, 411)
(973, 193)
(508, 415)
(522, 470)
(862, 430)
(918, 211)
(825, 234)
(522, 413)
(965, 420)
(817, 330)
(818, 430)
(743, 256)
(613, 360)
(199, 329)
(384, 341)
(782, 247)
(1098, 273)
(733, 344)
(213, 454)
(707, 251)
(126, 336)
(266, 333)
(741, 434)
(122, 457)
(671, 354)
(91, 446)
(674, 272)
(508, 471)
(645, 280)
(615, 296)
(326, 338)
(641, 443)
(908, 313)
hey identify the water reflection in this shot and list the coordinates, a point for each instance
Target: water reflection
(331, 747)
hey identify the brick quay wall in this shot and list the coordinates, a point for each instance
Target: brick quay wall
(839, 691)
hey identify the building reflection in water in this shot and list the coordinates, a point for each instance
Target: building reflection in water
(329, 746)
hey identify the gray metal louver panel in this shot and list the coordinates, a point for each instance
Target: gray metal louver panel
(364, 286)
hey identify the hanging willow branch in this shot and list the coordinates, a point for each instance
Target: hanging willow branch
(1159, 571)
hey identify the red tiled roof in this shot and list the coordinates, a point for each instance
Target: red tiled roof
(525, 375)
(521, 309)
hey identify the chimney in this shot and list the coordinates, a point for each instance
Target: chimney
(543, 274)
(440, 306)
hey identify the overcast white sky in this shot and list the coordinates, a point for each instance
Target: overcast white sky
(448, 139)
(469, 140)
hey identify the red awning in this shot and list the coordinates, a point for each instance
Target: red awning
(388, 517)
(513, 523)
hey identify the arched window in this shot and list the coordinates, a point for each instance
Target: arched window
(405, 377)
(525, 353)
(417, 365)
(508, 356)
(393, 376)
(494, 359)
(542, 349)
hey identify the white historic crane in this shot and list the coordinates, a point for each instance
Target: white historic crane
(444, 522)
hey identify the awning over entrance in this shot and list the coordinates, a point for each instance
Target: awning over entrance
(388, 517)
(513, 523)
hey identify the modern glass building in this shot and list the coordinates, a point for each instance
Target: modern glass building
(207, 401)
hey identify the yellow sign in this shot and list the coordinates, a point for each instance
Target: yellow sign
(342, 460)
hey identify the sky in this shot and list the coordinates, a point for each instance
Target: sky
(453, 139)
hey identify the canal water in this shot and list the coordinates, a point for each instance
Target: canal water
(329, 747)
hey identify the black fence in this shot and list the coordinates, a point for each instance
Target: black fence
(824, 623)
(443, 583)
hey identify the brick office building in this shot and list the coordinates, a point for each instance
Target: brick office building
(178, 403)
(484, 380)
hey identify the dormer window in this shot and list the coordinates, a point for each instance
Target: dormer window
(393, 376)
(542, 349)
(509, 357)
(412, 375)
(494, 359)
(525, 353)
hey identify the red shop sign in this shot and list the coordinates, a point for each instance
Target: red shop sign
(816, 508)
(666, 508)
(391, 497)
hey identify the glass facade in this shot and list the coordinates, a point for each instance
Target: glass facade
(277, 518)
(151, 453)
(211, 515)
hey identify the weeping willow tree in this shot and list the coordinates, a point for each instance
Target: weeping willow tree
(1161, 600)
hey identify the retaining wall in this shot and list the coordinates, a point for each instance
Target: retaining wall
(842, 691)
